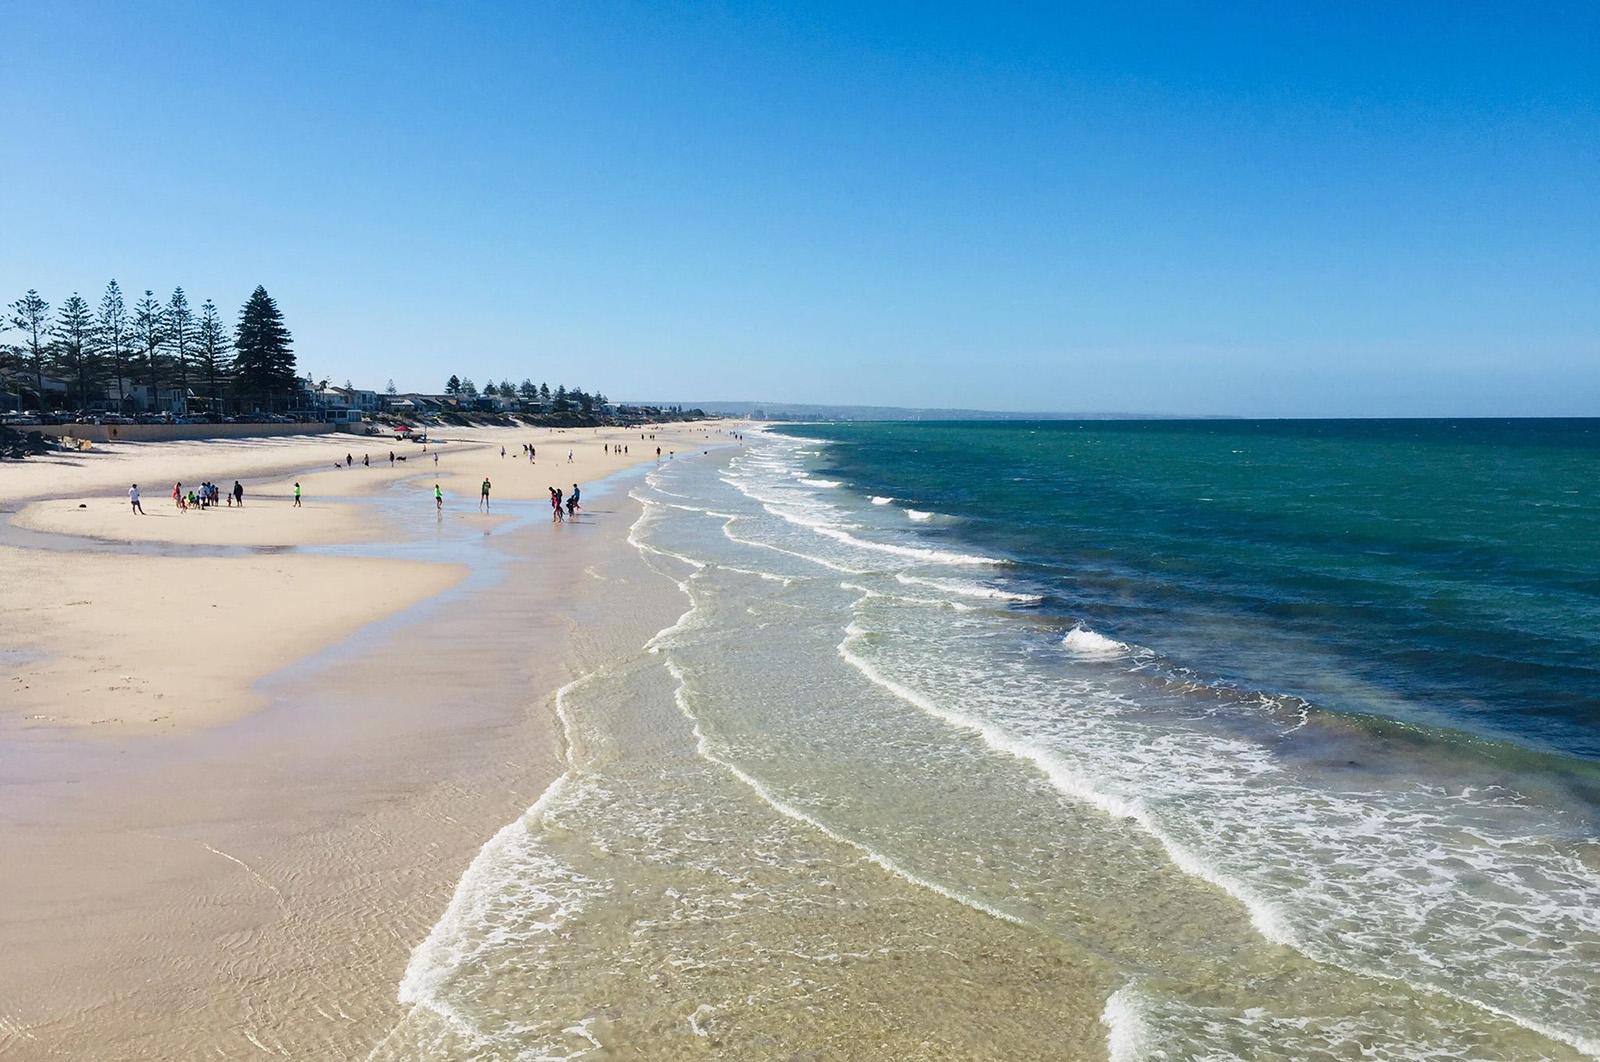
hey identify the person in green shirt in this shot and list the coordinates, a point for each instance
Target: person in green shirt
(297, 504)
(438, 498)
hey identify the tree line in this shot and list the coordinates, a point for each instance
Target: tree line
(559, 400)
(160, 344)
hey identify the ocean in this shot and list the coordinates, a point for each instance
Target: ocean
(1140, 740)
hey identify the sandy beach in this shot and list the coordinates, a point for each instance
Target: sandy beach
(249, 752)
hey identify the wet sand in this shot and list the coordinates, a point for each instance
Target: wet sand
(254, 881)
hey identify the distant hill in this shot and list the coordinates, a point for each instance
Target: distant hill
(811, 411)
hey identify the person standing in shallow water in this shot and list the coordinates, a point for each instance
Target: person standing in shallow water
(483, 495)
(438, 498)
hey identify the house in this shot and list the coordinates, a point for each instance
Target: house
(413, 402)
(367, 402)
(19, 390)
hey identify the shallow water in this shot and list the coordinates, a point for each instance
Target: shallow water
(876, 793)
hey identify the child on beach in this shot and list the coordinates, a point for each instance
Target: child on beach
(438, 498)
(133, 496)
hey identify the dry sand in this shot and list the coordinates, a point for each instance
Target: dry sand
(242, 864)
(155, 642)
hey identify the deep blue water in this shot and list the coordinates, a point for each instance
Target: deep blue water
(1445, 573)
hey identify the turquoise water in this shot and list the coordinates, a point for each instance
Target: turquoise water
(1429, 571)
(1065, 741)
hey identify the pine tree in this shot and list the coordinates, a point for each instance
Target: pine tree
(150, 330)
(452, 386)
(468, 388)
(390, 390)
(528, 391)
(263, 364)
(211, 350)
(30, 315)
(544, 391)
(491, 388)
(75, 347)
(180, 340)
(506, 390)
(115, 337)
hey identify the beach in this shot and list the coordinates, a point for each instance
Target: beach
(251, 751)
(912, 741)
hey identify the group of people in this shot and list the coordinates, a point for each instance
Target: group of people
(203, 496)
(561, 509)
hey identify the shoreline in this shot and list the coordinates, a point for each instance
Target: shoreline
(199, 888)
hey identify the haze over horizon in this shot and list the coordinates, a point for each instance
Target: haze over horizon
(1254, 210)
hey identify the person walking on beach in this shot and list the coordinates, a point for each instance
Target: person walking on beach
(502, 453)
(177, 495)
(483, 495)
(438, 498)
(436, 459)
(555, 505)
(348, 460)
(366, 461)
(297, 504)
(572, 501)
(133, 498)
(391, 458)
(238, 494)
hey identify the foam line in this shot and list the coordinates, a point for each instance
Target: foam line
(703, 747)
(1267, 920)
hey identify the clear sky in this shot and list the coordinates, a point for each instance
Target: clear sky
(1274, 208)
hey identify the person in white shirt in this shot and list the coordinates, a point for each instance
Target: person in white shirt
(133, 497)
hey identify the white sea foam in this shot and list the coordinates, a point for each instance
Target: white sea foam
(783, 807)
(727, 531)
(1127, 1036)
(919, 515)
(1441, 890)
(825, 484)
(920, 553)
(954, 586)
(1092, 645)
(1267, 919)
(881, 500)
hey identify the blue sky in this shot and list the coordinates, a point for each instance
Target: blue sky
(1272, 209)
